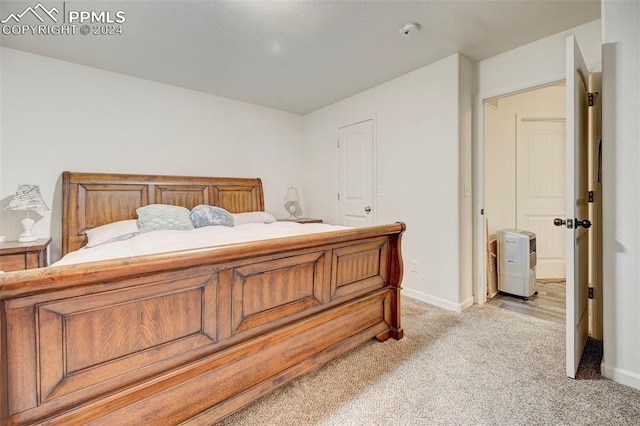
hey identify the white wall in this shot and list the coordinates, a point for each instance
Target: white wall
(500, 149)
(540, 62)
(465, 184)
(621, 202)
(417, 119)
(465, 181)
(60, 116)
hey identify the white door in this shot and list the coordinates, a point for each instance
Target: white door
(540, 182)
(577, 207)
(355, 153)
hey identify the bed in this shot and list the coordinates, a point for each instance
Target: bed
(185, 337)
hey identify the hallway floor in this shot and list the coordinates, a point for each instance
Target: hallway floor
(548, 304)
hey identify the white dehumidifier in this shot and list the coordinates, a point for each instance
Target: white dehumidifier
(517, 262)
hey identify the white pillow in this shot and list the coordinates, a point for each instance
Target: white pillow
(252, 217)
(111, 232)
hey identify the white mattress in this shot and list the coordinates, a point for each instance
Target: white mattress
(209, 236)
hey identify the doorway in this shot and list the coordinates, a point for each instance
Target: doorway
(524, 185)
(583, 260)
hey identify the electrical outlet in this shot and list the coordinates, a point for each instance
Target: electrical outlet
(414, 266)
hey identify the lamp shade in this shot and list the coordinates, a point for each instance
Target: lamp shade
(27, 197)
(292, 195)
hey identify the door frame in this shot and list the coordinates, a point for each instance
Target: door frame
(374, 183)
(479, 245)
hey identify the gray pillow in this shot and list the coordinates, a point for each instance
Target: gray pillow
(204, 215)
(156, 217)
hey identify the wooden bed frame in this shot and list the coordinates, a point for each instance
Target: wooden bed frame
(185, 337)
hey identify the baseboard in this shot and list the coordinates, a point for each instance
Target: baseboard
(620, 375)
(466, 303)
(438, 301)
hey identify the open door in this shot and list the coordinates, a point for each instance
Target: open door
(577, 211)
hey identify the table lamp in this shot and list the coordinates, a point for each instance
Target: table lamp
(27, 198)
(291, 202)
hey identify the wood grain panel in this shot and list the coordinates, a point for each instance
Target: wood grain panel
(268, 291)
(275, 288)
(13, 262)
(182, 195)
(236, 199)
(100, 204)
(358, 268)
(159, 321)
(88, 205)
(129, 328)
(19, 348)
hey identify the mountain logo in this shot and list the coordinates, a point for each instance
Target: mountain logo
(38, 11)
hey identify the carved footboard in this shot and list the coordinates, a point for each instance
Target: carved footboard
(194, 336)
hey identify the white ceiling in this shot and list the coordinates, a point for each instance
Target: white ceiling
(297, 56)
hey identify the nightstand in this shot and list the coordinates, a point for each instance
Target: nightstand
(301, 220)
(15, 256)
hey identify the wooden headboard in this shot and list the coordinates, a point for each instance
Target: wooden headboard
(94, 199)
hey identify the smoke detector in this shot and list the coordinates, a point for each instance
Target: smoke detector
(409, 30)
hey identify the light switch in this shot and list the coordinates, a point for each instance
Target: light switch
(467, 190)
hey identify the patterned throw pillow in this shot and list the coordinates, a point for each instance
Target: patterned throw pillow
(204, 215)
(157, 217)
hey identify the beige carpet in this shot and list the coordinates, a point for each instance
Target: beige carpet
(486, 366)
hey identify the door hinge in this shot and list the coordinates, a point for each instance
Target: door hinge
(591, 96)
(338, 144)
(338, 196)
(591, 196)
(590, 292)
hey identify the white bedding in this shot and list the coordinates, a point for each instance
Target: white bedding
(208, 236)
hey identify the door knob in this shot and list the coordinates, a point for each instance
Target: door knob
(586, 224)
(367, 209)
(559, 222)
